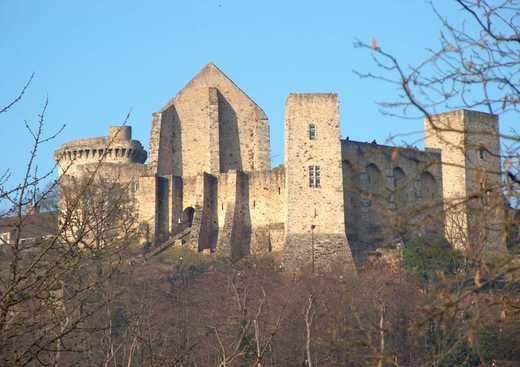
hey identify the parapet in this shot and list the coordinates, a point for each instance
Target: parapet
(309, 97)
(117, 147)
(409, 151)
(465, 112)
(463, 121)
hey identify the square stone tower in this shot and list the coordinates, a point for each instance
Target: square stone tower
(470, 156)
(315, 226)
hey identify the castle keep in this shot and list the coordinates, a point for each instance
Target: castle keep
(209, 170)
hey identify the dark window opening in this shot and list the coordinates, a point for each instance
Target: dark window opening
(314, 176)
(312, 131)
(482, 153)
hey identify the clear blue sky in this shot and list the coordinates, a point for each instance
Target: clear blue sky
(96, 60)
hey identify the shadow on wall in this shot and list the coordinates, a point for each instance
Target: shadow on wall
(375, 201)
(176, 142)
(212, 225)
(241, 235)
(209, 220)
(229, 136)
(351, 194)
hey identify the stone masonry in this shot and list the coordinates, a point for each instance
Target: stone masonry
(209, 167)
(314, 223)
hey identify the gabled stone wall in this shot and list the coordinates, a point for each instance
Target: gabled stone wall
(210, 126)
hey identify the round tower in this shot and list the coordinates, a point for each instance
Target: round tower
(74, 158)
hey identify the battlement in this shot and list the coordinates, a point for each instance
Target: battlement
(117, 147)
(467, 113)
(410, 151)
(310, 99)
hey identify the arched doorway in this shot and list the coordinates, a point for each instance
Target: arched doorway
(187, 216)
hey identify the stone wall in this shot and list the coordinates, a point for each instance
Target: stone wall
(389, 192)
(267, 204)
(205, 222)
(146, 198)
(445, 133)
(469, 142)
(163, 204)
(227, 199)
(483, 180)
(246, 211)
(108, 171)
(176, 199)
(210, 126)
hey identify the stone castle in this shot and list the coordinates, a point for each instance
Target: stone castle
(209, 170)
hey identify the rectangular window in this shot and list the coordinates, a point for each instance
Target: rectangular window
(312, 131)
(314, 176)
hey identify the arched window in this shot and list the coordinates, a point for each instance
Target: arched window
(400, 194)
(428, 187)
(374, 179)
(312, 131)
(399, 177)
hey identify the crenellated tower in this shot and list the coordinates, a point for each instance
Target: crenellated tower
(78, 157)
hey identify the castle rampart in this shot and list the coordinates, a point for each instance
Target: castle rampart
(385, 190)
(209, 169)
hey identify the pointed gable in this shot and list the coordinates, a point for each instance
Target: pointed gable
(212, 126)
(210, 76)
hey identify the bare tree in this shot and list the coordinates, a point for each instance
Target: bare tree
(18, 97)
(50, 280)
(475, 66)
